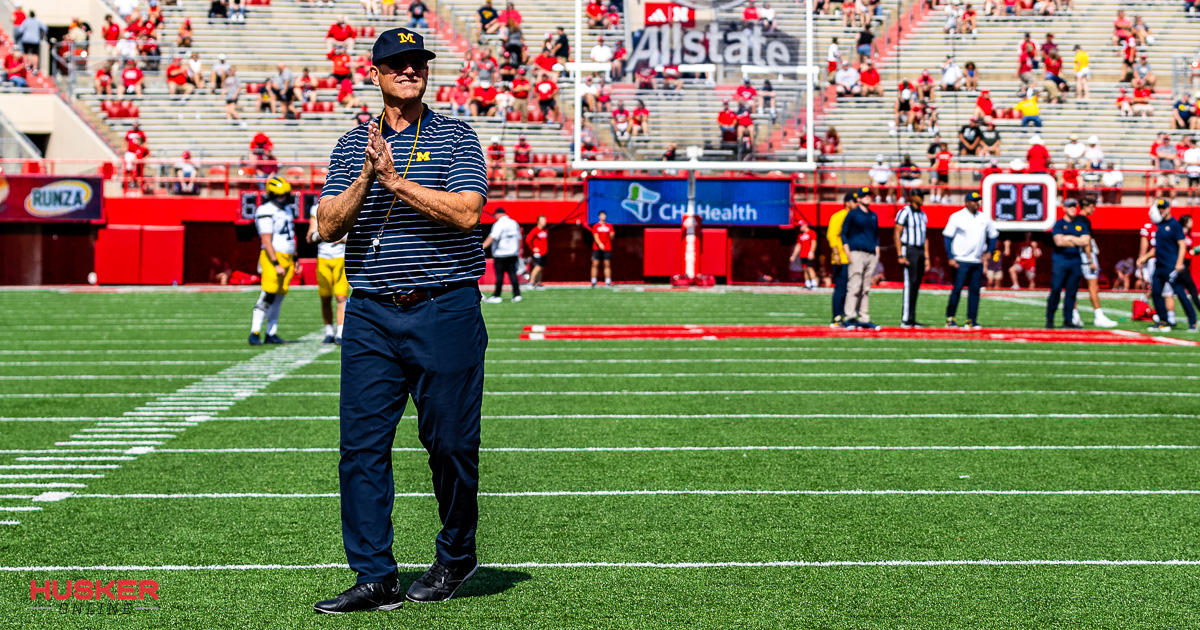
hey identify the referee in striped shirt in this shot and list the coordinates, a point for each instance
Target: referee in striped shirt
(409, 188)
(913, 249)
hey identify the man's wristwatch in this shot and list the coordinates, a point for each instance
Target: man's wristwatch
(274, 263)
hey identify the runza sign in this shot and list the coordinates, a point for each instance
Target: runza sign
(41, 198)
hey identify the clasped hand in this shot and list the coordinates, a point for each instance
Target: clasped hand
(378, 161)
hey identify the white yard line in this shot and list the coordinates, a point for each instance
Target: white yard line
(661, 449)
(731, 416)
(815, 564)
(606, 493)
(808, 392)
(192, 401)
(824, 360)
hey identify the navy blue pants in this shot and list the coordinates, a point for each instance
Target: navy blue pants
(432, 351)
(840, 278)
(969, 275)
(1064, 278)
(1162, 276)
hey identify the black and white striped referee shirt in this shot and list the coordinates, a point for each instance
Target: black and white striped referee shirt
(913, 222)
(414, 252)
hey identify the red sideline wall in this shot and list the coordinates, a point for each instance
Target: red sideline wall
(162, 240)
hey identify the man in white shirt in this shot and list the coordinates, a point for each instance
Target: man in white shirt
(185, 171)
(1093, 156)
(276, 260)
(880, 175)
(847, 80)
(1191, 164)
(1073, 149)
(505, 240)
(601, 53)
(969, 236)
(952, 75)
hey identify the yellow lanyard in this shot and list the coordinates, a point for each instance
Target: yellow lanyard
(375, 242)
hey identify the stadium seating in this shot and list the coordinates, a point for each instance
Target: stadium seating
(861, 122)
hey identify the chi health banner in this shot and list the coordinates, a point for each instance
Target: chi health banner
(719, 201)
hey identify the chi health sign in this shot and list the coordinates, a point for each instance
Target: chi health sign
(629, 201)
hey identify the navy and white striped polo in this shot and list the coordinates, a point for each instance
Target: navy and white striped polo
(414, 251)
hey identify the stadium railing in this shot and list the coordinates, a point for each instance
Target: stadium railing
(557, 181)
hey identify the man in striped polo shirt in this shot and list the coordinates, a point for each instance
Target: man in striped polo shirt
(409, 188)
(914, 253)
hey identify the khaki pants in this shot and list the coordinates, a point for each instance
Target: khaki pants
(858, 285)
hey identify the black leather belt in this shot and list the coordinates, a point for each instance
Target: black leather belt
(415, 297)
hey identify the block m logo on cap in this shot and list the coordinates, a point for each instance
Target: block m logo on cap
(405, 38)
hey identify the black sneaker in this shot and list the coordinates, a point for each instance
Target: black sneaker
(850, 323)
(950, 323)
(273, 339)
(1071, 326)
(254, 340)
(439, 583)
(836, 322)
(383, 595)
(327, 339)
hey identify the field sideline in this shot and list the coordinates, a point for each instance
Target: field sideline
(626, 483)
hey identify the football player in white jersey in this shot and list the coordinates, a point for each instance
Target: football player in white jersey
(277, 260)
(331, 281)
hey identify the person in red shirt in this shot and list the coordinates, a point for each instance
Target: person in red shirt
(1037, 156)
(672, 78)
(620, 54)
(870, 80)
(639, 120)
(602, 236)
(727, 120)
(104, 80)
(134, 136)
(520, 91)
(984, 109)
(112, 34)
(538, 242)
(645, 77)
(1028, 254)
(750, 14)
(620, 122)
(341, 63)
(941, 168)
(345, 95)
(596, 14)
(261, 145)
(745, 127)
(1128, 58)
(18, 15)
(340, 33)
(747, 97)
(1124, 103)
(135, 161)
(483, 100)
(547, 91)
(925, 86)
(495, 158)
(805, 253)
(177, 80)
(522, 152)
(132, 78)
(1141, 99)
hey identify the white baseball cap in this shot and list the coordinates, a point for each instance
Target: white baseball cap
(1093, 140)
(221, 56)
(879, 158)
(1036, 139)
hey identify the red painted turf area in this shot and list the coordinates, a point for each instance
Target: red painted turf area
(1018, 335)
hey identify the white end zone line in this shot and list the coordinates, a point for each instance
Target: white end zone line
(798, 564)
(667, 449)
(701, 416)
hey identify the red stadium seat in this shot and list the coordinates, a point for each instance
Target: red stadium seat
(535, 116)
(309, 107)
(327, 83)
(295, 175)
(558, 158)
(368, 31)
(253, 88)
(261, 3)
(514, 116)
(541, 158)
(443, 94)
(547, 181)
(326, 106)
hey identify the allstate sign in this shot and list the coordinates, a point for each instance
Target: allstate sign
(629, 201)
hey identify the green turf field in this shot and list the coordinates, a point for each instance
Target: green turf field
(744, 483)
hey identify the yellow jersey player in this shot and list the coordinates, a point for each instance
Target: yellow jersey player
(331, 281)
(277, 260)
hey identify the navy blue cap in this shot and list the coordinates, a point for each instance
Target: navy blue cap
(850, 196)
(398, 41)
(974, 196)
(1163, 203)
